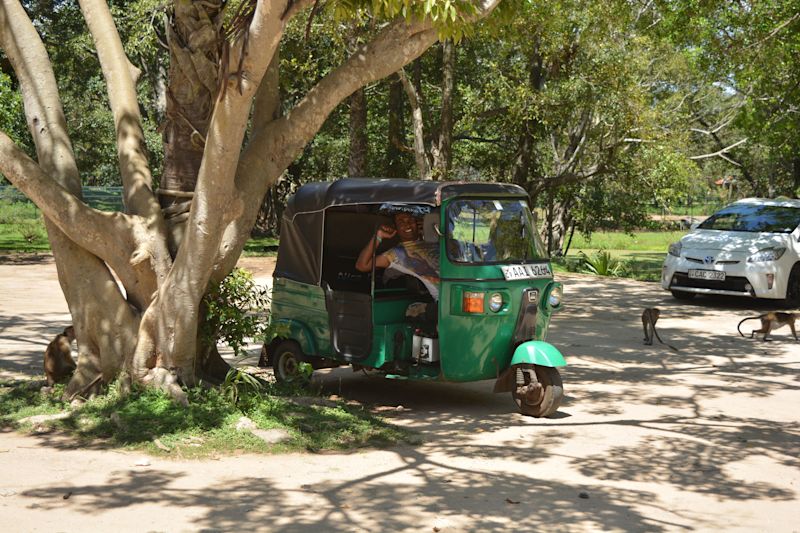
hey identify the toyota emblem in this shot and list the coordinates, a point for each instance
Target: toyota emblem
(708, 260)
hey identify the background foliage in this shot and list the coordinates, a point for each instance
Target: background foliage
(603, 111)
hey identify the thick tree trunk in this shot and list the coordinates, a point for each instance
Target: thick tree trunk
(561, 220)
(525, 158)
(104, 323)
(443, 155)
(395, 149)
(194, 41)
(421, 155)
(796, 176)
(357, 163)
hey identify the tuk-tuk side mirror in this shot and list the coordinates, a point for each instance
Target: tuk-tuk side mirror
(430, 227)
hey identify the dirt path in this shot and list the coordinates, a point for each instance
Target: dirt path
(647, 439)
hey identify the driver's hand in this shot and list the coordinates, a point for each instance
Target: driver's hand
(386, 232)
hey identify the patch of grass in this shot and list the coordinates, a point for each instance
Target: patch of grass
(641, 241)
(642, 266)
(149, 421)
(21, 227)
(642, 253)
(19, 400)
(261, 247)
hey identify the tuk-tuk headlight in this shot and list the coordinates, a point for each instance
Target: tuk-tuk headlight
(554, 298)
(495, 302)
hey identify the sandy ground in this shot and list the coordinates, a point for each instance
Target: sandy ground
(706, 439)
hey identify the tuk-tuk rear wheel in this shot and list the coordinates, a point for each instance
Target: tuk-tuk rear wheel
(286, 358)
(538, 391)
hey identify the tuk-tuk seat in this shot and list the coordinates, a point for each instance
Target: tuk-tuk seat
(339, 273)
(423, 315)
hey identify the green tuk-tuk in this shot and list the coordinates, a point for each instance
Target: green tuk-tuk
(495, 289)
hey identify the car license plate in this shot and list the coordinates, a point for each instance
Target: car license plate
(540, 270)
(715, 275)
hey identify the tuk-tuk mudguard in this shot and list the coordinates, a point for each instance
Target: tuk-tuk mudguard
(529, 353)
(297, 331)
(538, 353)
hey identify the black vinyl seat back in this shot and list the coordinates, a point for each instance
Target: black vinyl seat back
(350, 322)
(348, 297)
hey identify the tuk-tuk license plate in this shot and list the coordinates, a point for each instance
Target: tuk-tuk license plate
(715, 275)
(512, 272)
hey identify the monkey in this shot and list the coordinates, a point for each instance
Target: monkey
(770, 321)
(58, 362)
(649, 318)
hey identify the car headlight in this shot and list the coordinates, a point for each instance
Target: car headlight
(766, 254)
(495, 302)
(554, 298)
(675, 249)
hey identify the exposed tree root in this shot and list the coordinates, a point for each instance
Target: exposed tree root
(163, 379)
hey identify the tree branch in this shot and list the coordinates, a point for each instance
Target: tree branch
(118, 73)
(720, 152)
(114, 237)
(270, 151)
(55, 184)
(774, 32)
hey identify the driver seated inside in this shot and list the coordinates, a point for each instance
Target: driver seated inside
(411, 256)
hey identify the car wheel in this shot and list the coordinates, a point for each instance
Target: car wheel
(682, 295)
(793, 287)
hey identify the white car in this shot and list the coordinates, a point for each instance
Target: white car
(749, 248)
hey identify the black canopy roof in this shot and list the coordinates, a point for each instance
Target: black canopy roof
(352, 191)
(300, 250)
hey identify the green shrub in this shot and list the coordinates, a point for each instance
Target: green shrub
(31, 231)
(236, 310)
(602, 263)
(12, 212)
(241, 389)
(570, 264)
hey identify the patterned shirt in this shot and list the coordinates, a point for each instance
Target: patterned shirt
(419, 259)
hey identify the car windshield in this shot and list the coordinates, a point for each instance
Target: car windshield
(491, 231)
(754, 218)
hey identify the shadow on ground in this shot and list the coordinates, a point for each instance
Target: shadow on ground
(483, 466)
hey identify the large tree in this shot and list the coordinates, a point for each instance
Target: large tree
(223, 88)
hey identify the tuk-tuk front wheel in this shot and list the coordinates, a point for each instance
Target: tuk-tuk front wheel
(538, 390)
(286, 358)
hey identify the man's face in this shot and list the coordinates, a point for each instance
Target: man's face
(406, 227)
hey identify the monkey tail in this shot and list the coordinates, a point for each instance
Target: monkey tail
(739, 326)
(674, 349)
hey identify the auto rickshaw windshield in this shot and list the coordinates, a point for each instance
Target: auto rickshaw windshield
(492, 231)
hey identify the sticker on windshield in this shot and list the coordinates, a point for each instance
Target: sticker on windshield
(540, 270)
